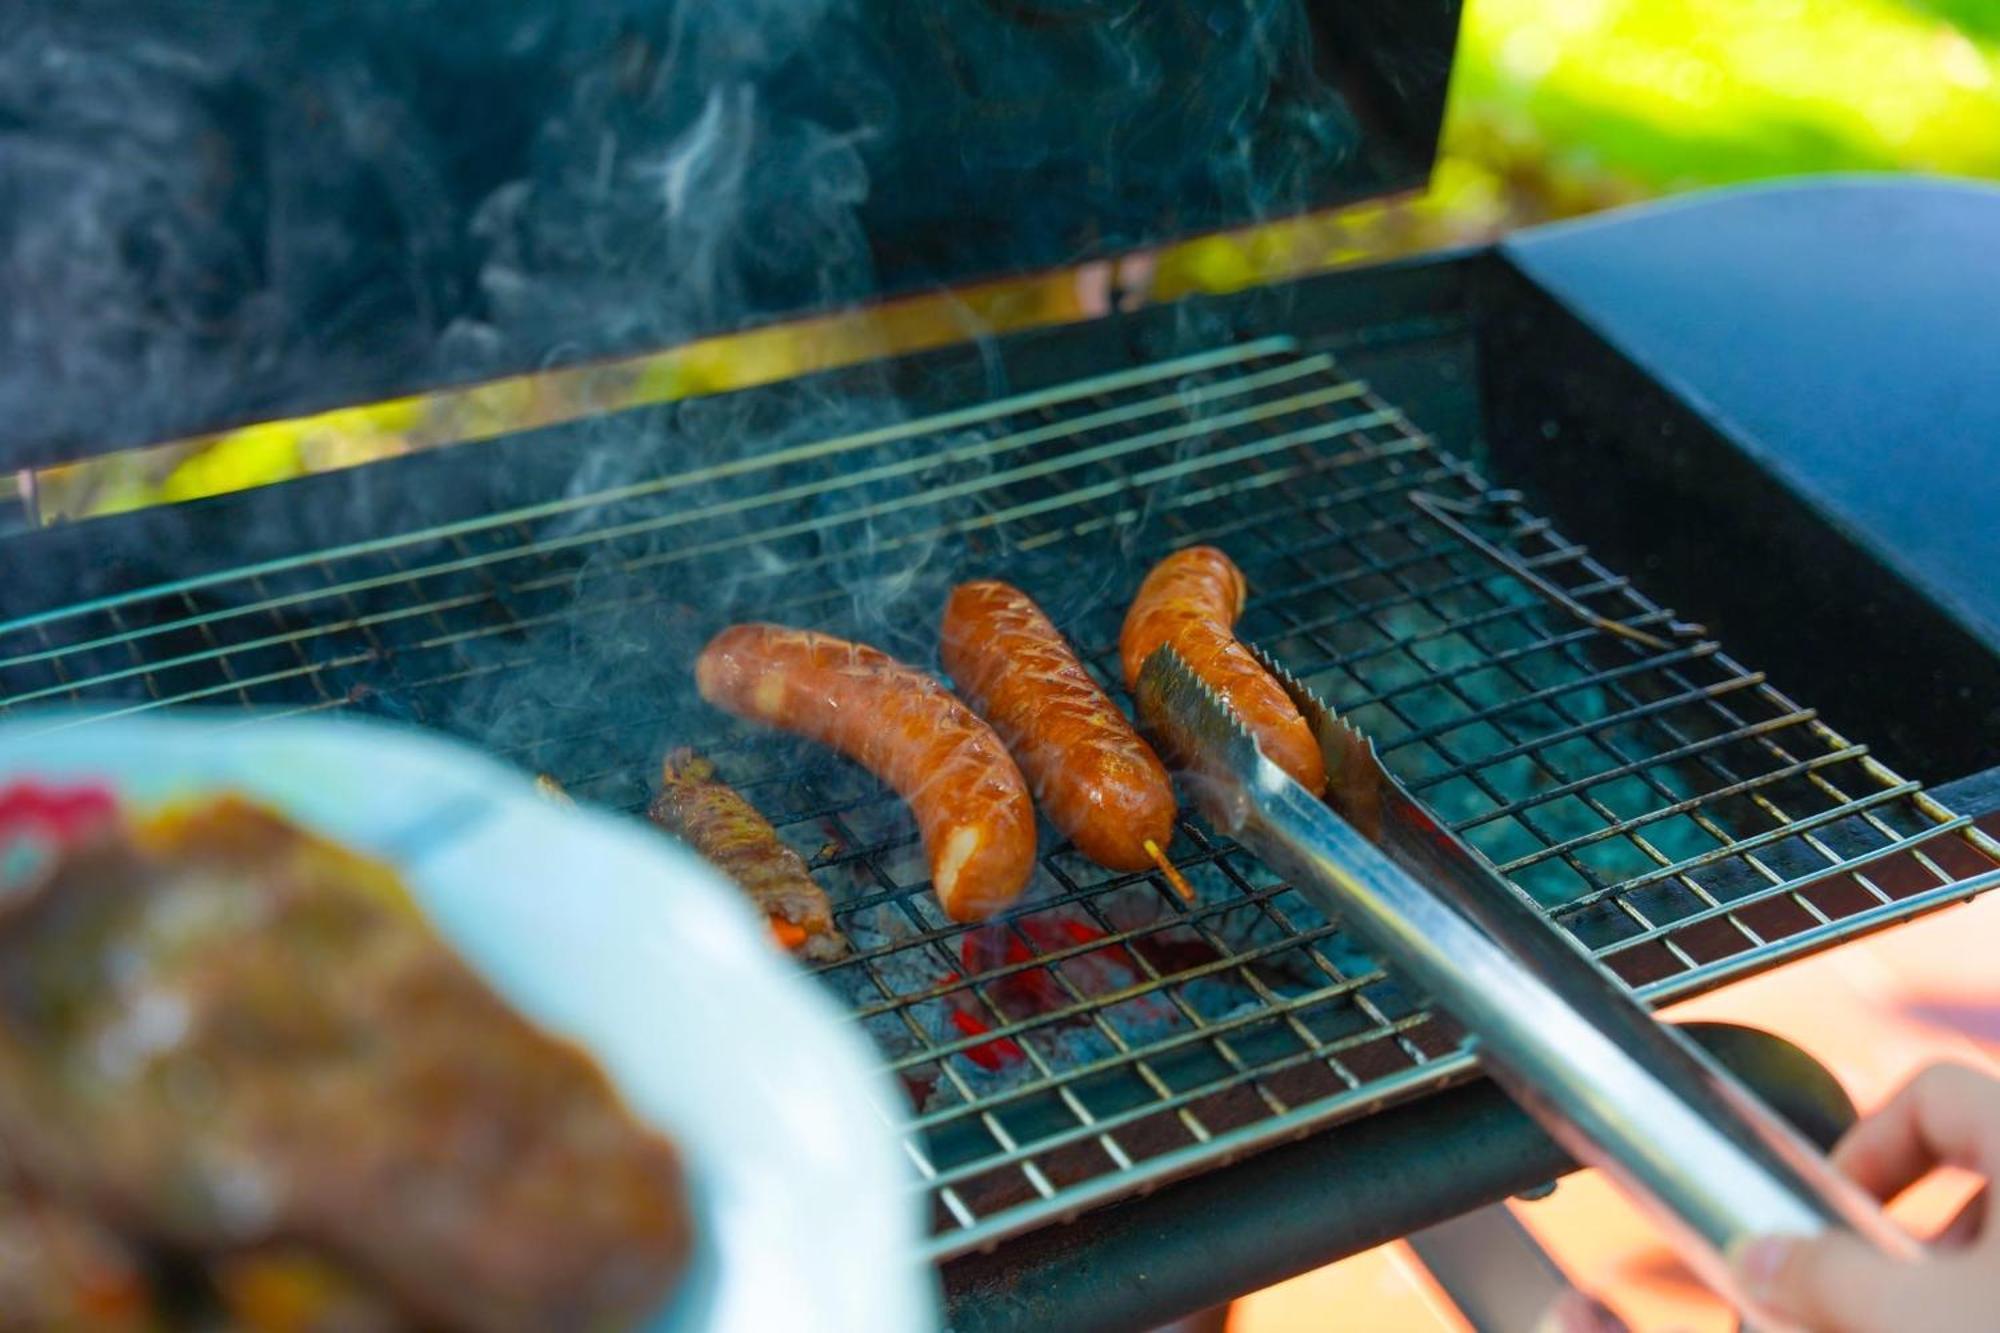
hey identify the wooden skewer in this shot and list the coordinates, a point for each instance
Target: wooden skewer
(1170, 870)
(552, 790)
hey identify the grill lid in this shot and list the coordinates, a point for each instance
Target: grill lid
(239, 212)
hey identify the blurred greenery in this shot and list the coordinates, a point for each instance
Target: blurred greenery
(1557, 108)
(1671, 94)
(1563, 107)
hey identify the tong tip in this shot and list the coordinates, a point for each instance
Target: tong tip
(1186, 711)
(1354, 771)
(1198, 733)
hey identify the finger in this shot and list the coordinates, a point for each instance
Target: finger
(1575, 1312)
(1965, 1228)
(1832, 1283)
(1946, 1114)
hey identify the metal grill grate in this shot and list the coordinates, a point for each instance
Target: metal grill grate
(1678, 814)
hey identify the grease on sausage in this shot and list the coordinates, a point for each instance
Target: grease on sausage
(970, 800)
(1192, 600)
(1095, 778)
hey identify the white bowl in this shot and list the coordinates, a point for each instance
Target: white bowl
(601, 930)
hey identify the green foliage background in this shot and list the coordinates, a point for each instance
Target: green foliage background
(1562, 107)
(1560, 102)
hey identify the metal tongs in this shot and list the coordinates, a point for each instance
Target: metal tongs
(1711, 1163)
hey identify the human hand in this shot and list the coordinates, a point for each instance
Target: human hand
(1575, 1312)
(1948, 1115)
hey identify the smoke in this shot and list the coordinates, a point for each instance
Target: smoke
(210, 212)
(176, 247)
(214, 213)
(670, 191)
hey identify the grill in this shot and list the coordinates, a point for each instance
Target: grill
(1722, 400)
(1676, 812)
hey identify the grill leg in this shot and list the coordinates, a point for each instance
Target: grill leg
(1215, 1319)
(1500, 1279)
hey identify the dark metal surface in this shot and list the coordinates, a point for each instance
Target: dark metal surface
(1292, 1208)
(1978, 794)
(1864, 388)
(1820, 486)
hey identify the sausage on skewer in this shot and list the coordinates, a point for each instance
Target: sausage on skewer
(715, 820)
(1191, 600)
(1094, 777)
(970, 801)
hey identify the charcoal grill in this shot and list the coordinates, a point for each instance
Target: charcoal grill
(1125, 1105)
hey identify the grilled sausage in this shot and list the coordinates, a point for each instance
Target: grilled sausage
(970, 800)
(1094, 778)
(392, 1113)
(1191, 600)
(715, 820)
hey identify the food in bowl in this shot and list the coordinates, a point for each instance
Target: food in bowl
(240, 1052)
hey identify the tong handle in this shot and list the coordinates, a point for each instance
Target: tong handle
(1621, 1091)
(1565, 1037)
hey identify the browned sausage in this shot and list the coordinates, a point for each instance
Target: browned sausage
(1095, 779)
(715, 820)
(1191, 600)
(970, 800)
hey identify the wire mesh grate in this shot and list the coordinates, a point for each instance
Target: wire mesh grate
(1677, 813)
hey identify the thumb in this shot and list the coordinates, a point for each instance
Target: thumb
(1831, 1283)
(1574, 1312)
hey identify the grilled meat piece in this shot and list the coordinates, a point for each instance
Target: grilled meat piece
(287, 1289)
(62, 1271)
(902, 725)
(712, 817)
(1095, 779)
(1192, 600)
(219, 1034)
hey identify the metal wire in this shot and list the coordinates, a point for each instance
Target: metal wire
(1681, 816)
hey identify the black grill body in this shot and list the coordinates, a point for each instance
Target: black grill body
(545, 602)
